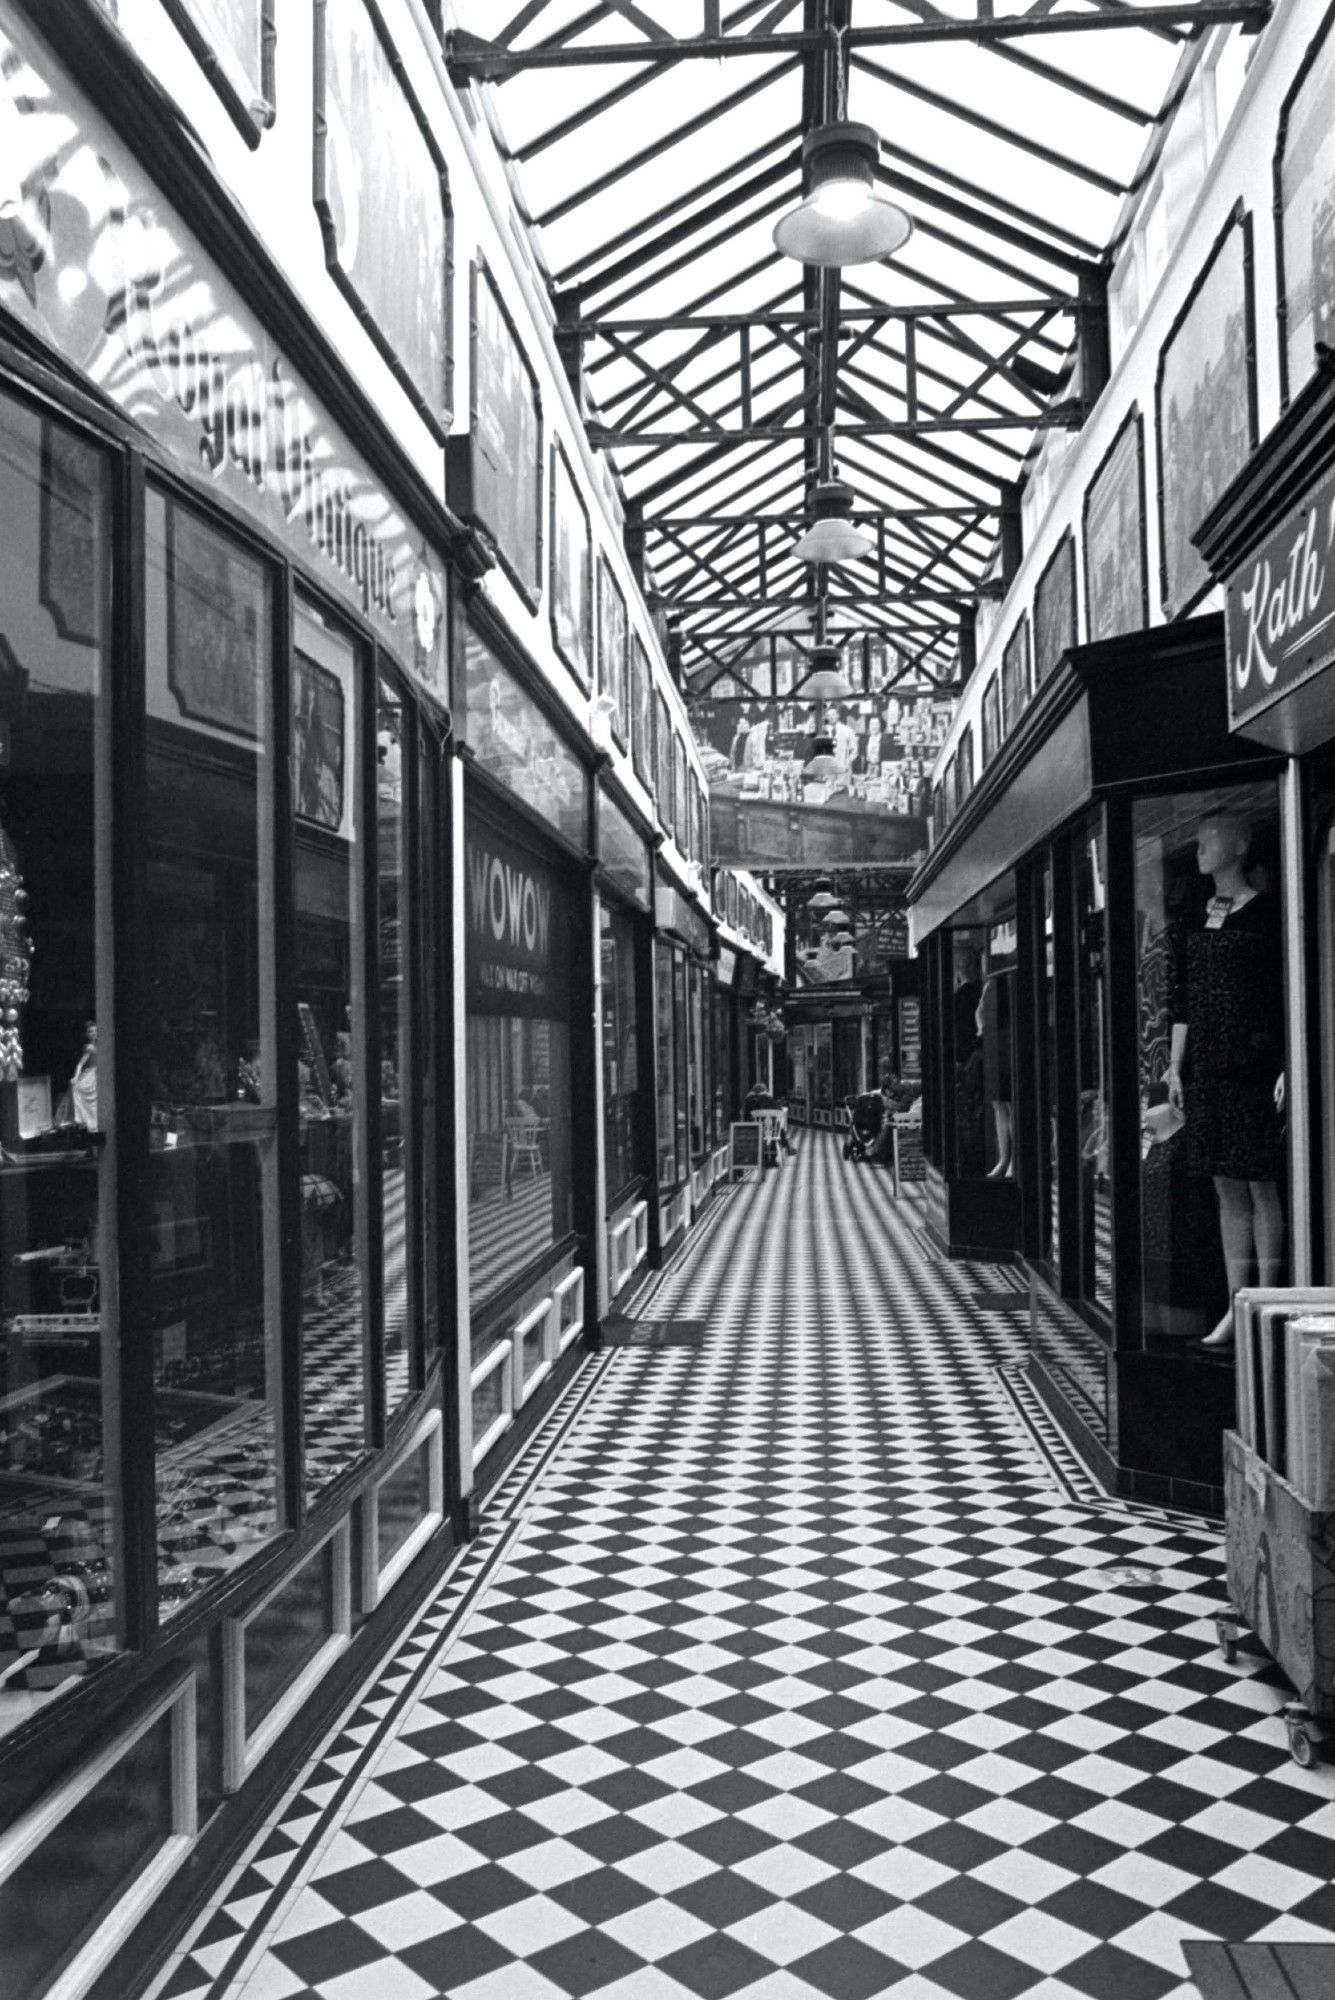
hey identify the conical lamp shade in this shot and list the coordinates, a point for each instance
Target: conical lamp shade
(833, 542)
(841, 218)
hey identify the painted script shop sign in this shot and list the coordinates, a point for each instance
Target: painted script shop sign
(98, 265)
(516, 926)
(1280, 607)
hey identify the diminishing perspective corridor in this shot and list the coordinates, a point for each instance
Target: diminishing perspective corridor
(793, 1659)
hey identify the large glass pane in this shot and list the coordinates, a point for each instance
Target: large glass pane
(968, 952)
(520, 918)
(329, 985)
(1210, 1005)
(57, 1607)
(427, 1081)
(666, 1066)
(1049, 1220)
(682, 1059)
(621, 1066)
(213, 1195)
(1091, 899)
(723, 1086)
(696, 1072)
(397, 1055)
(519, 1193)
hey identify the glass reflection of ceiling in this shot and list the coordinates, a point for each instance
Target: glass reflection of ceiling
(651, 188)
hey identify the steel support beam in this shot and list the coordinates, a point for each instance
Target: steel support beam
(473, 59)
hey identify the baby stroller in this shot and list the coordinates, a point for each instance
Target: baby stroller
(867, 1115)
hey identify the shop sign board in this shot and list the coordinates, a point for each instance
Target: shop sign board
(101, 270)
(1279, 607)
(910, 1038)
(517, 923)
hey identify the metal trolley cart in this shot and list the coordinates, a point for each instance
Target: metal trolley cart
(1280, 1546)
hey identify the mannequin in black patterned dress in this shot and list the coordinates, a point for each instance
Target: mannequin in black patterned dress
(1226, 1065)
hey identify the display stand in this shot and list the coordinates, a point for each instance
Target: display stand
(1281, 1579)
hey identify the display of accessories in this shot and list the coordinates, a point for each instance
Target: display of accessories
(15, 962)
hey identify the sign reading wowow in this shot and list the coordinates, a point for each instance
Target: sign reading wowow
(517, 921)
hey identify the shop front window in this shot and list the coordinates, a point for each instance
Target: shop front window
(519, 919)
(1048, 1217)
(212, 1208)
(1210, 1008)
(329, 984)
(58, 1589)
(699, 1080)
(621, 1065)
(682, 1057)
(968, 955)
(665, 1067)
(1091, 902)
(723, 1085)
(397, 1051)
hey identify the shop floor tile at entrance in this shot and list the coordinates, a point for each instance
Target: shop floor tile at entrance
(798, 1658)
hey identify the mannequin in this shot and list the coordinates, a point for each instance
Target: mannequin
(1225, 1071)
(1002, 1119)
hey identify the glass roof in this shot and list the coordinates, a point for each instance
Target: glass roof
(652, 146)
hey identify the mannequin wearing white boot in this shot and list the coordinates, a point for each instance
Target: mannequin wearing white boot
(1228, 1011)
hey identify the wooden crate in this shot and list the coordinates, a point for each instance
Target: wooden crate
(1281, 1574)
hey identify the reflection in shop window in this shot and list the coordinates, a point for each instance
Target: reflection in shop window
(213, 1195)
(331, 1090)
(395, 1043)
(518, 1060)
(666, 1067)
(1091, 904)
(1210, 996)
(57, 1529)
(620, 1050)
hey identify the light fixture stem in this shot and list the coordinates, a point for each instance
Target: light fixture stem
(840, 77)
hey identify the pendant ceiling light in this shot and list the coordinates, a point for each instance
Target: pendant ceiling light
(841, 939)
(822, 898)
(823, 764)
(841, 219)
(832, 538)
(837, 920)
(826, 680)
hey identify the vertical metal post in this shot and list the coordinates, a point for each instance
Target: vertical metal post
(1298, 1072)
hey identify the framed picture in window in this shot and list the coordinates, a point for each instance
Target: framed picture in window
(69, 512)
(641, 711)
(495, 473)
(216, 612)
(571, 591)
(1117, 595)
(1014, 677)
(1305, 215)
(613, 635)
(382, 197)
(317, 744)
(991, 719)
(233, 43)
(1205, 409)
(964, 764)
(663, 760)
(1054, 610)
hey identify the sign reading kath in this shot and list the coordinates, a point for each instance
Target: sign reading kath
(1280, 607)
(516, 925)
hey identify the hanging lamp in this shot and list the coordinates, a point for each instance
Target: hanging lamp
(841, 219)
(826, 679)
(832, 538)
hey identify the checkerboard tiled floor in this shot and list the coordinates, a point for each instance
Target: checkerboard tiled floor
(783, 1668)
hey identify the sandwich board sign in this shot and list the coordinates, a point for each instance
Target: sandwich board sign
(746, 1150)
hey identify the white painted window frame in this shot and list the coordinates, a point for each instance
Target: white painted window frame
(25, 1837)
(242, 1751)
(500, 1359)
(377, 1579)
